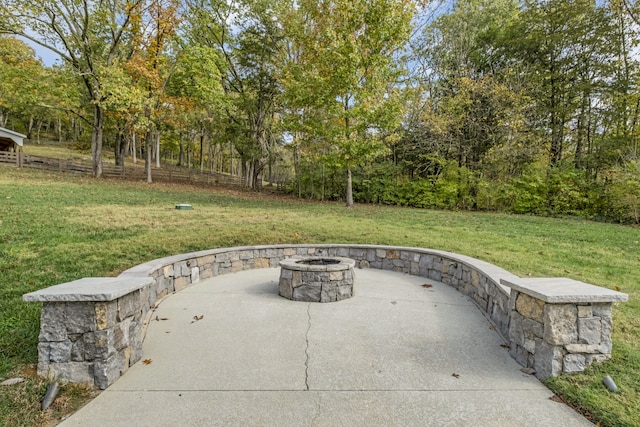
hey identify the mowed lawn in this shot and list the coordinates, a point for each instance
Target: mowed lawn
(56, 228)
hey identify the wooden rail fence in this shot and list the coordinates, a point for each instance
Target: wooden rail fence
(83, 167)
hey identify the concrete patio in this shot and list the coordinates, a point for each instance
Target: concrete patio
(230, 351)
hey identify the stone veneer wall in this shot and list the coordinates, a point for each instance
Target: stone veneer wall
(92, 329)
(554, 331)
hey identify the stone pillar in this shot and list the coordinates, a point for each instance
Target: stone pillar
(91, 329)
(559, 325)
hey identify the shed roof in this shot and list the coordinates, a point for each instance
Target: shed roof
(9, 135)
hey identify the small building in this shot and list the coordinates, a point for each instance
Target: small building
(10, 140)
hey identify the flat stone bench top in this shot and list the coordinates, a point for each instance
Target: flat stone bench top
(90, 289)
(563, 290)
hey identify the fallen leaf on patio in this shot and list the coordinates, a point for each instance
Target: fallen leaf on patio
(164, 318)
(12, 381)
(147, 361)
(196, 318)
(505, 346)
(556, 399)
(493, 328)
(455, 375)
(426, 285)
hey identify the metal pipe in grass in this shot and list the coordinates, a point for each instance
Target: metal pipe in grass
(610, 384)
(50, 396)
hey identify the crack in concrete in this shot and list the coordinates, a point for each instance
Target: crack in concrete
(318, 412)
(306, 350)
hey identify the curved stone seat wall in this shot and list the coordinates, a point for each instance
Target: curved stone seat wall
(92, 329)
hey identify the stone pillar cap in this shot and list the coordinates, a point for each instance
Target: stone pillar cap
(90, 289)
(563, 290)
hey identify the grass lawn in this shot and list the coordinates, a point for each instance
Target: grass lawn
(56, 228)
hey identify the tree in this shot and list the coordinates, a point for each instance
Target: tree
(88, 35)
(23, 83)
(350, 56)
(248, 37)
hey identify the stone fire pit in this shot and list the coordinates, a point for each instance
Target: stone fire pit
(317, 279)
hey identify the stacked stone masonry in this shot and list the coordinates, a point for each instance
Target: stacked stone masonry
(300, 281)
(94, 336)
(554, 332)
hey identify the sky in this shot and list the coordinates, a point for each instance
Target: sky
(48, 58)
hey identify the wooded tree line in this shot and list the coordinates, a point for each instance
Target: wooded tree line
(520, 106)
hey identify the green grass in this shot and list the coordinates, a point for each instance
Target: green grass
(56, 228)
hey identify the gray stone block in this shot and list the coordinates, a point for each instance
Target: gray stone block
(89, 346)
(52, 322)
(106, 372)
(77, 350)
(121, 334)
(516, 331)
(73, 372)
(104, 348)
(601, 309)
(574, 363)
(343, 252)
(533, 328)
(548, 360)
(328, 293)
(560, 324)
(60, 352)
(195, 274)
(43, 354)
(520, 354)
(426, 261)
(435, 275)
(589, 330)
(585, 311)
(80, 317)
(128, 305)
(596, 358)
(135, 342)
(584, 348)
(344, 292)
(181, 269)
(307, 293)
(285, 289)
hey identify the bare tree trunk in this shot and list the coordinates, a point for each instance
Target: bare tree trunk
(349, 189)
(30, 127)
(59, 123)
(96, 142)
(181, 151)
(296, 168)
(157, 149)
(149, 143)
(75, 130)
(38, 131)
(134, 152)
(202, 153)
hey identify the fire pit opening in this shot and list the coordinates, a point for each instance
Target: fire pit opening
(317, 279)
(319, 261)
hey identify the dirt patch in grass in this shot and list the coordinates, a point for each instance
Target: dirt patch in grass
(22, 401)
